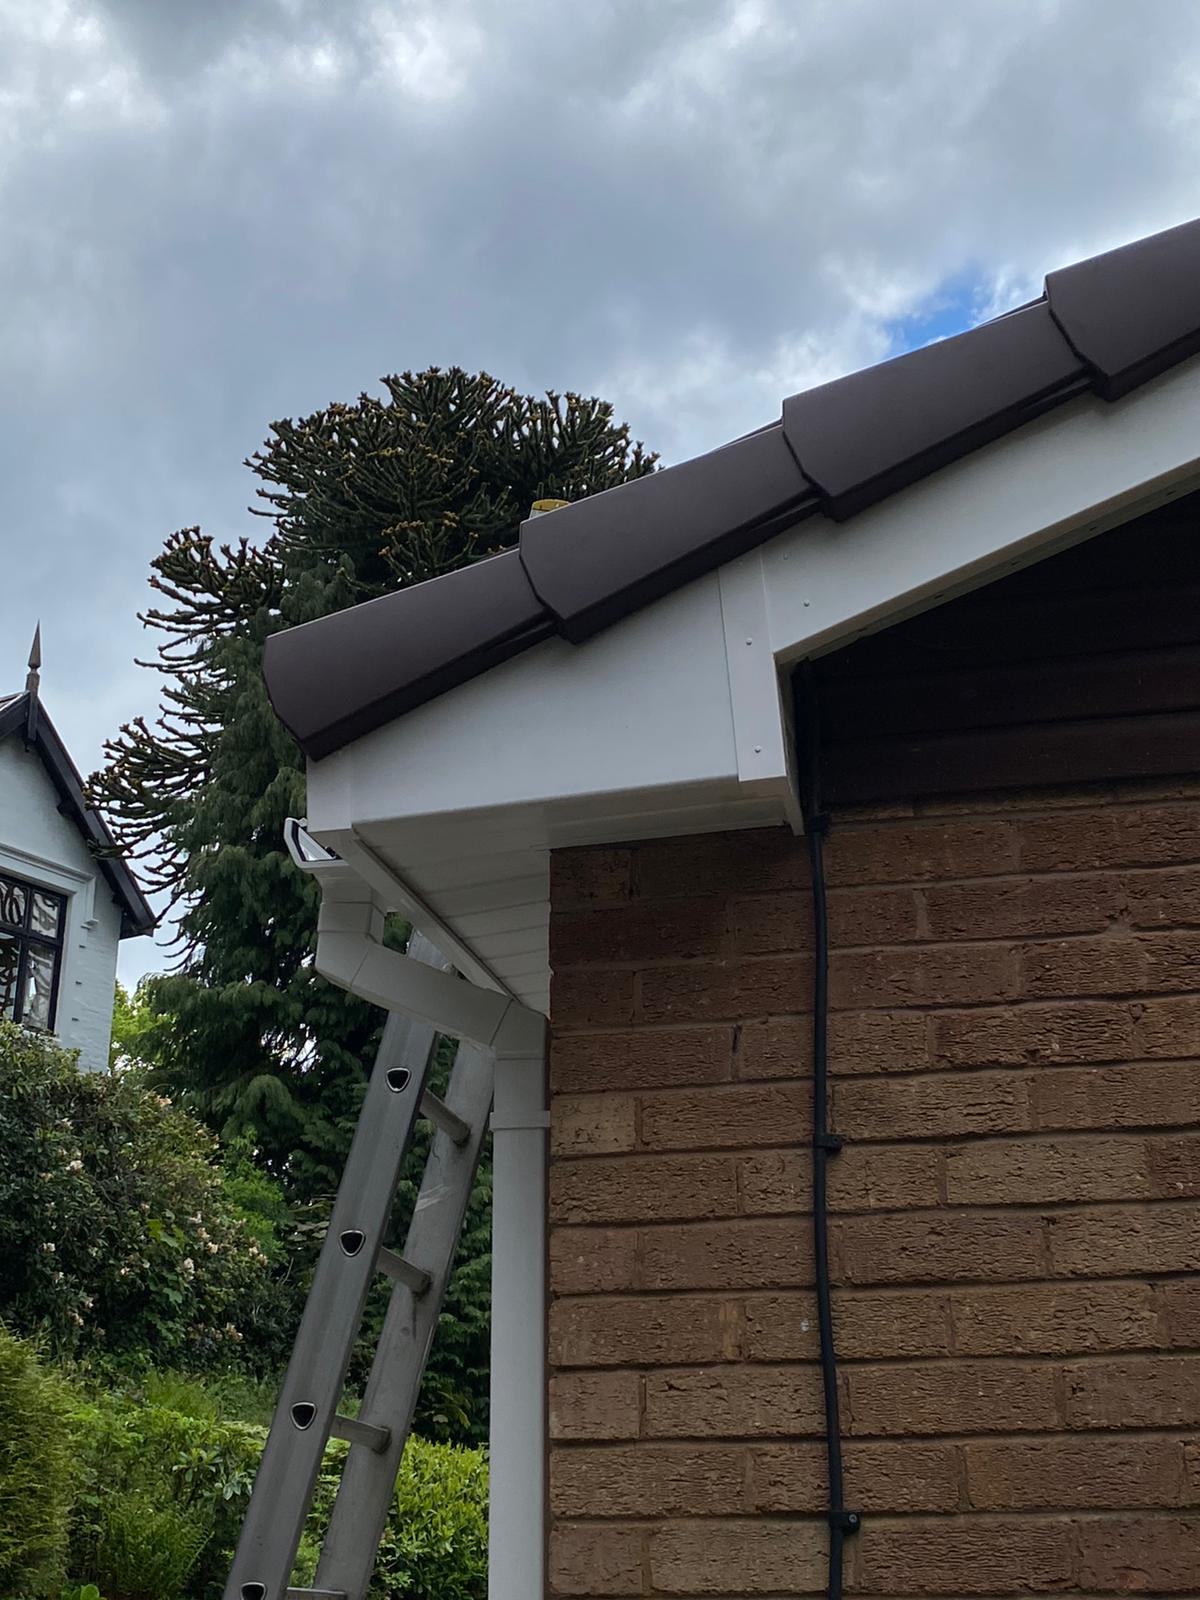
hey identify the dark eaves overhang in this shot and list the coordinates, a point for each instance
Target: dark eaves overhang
(39, 734)
(1103, 326)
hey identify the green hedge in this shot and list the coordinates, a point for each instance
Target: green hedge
(112, 1488)
(35, 1473)
(162, 1496)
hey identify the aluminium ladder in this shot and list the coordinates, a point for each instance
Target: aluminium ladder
(353, 1252)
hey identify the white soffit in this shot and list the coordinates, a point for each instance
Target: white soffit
(675, 720)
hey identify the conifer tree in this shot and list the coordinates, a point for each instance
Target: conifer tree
(361, 500)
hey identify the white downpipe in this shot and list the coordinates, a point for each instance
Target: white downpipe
(517, 1516)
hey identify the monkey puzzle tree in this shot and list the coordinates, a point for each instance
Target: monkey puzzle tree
(361, 499)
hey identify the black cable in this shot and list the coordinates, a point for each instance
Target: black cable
(842, 1523)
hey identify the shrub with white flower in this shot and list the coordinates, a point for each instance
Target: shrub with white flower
(117, 1234)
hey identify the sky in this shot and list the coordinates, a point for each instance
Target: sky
(218, 213)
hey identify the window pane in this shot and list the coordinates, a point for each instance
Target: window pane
(47, 913)
(14, 900)
(10, 954)
(38, 1002)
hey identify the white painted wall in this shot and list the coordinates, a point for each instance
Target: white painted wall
(41, 846)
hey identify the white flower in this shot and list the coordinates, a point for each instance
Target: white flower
(189, 1267)
(48, 1248)
(74, 1166)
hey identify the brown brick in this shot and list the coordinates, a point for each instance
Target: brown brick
(734, 1402)
(1147, 963)
(1139, 1096)
(912, 852)
(594, 1405)
(742, 1558)
(1165, 899)
(965, 1556)
(879, 1477)
(948, 1248)
(1168, 1028)
(1104, 1241)
(590, 1000)
(589, 874)
(783, 1327)
(745, 861)
(997, 1172)
(873, 916)
(1034, 1035)
(934, 975)
(859, 1042)
(780, 1048)
(663, 1330)
(1019, 908)
(708, 992)
(768, 924)
(1174, 1161)
(592, 1124)
(643, 1189)
(1054, 1319)
(647, 1480)
(593, 1260)
(744, 1115)
(643, 1059)
(1115, 836)
(643, 930)
(596, 1558)
(755, 1253)
(878, 1042)
(951, 1397)
(1093, 1474)
(1138, 1554)
(945, 1105)
(1151, 1391)
(861, 1179)
(1181, 1313)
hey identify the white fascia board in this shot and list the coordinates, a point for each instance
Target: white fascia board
(643, 706)
(1076, 472)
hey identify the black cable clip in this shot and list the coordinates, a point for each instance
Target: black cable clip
(817, 822)
(831, 1143)
(846, 1522)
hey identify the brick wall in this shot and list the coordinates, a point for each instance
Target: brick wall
(1015, 1051)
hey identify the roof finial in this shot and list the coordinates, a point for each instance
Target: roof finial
(33, 683)
(35, 661)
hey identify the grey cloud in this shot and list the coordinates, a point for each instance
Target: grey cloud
(214, 215)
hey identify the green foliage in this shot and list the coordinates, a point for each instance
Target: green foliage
(146, 1551)
(117, 1237)
(131, 1026)
(35, 1474)
(435, 1545)
(362, 499)
(162, 1495)
(85, 1591)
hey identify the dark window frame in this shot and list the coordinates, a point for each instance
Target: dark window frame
(26, 937)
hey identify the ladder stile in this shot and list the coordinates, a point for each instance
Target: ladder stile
(368, 1480)
(307, 1412)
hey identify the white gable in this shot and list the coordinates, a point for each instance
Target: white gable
(41, 846)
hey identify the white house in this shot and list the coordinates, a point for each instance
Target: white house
(66, 897)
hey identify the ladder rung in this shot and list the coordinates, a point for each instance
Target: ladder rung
(448, 1121)
(355, 1432)
(316, 1594)
(402, 1271)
